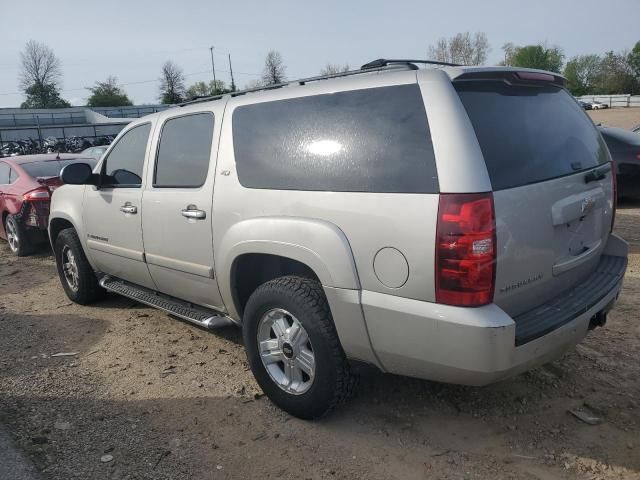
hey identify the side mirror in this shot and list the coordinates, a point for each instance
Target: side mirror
(77, 174)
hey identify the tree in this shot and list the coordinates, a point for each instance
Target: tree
(462, 48)
(617, 75)
(274, 70)
(40, 74)
(172, 89)
(334, 68)
(108, 94)
(538, 56)
(43, 96)
(634, 60)
(203, 89)
(583, 74)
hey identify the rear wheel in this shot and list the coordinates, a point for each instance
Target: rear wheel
(293, 348)
(17, 237)
(76, 275)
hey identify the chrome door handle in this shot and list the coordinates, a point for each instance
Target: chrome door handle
(128, 208)
(192, 212)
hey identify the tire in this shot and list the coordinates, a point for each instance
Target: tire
(17, 237)
(296, 301)
(80, 284)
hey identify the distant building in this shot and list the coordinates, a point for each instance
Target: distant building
(87, 124)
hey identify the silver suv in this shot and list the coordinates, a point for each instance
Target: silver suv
(447, 223)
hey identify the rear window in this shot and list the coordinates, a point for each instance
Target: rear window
(51, 168)
(529, 134)
(373, 140)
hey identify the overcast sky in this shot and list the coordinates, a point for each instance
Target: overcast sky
(132, 38)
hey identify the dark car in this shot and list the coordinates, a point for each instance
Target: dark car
(26, 184)
(585, 105)
(625, 151)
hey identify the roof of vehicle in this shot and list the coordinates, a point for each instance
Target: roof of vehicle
(397, 68)
(620, 134)
(42, 157)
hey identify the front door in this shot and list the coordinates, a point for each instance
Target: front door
(177, 209)
(112, 212)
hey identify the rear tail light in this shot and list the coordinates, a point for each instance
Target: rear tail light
(465, 249)
(39, 194)
(614, 181)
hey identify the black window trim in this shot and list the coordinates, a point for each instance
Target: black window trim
(103, 165)
(12, 170)
(155, 162)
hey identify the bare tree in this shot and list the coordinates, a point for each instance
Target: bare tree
(39, 66)
(462, 48)
(172, 89)
(274, 70)
(333, 68)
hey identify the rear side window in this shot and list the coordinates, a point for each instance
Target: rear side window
(123, 166)
(184, 151)
(373, 140)
(4, 173)
(529, 134)
(52, 168)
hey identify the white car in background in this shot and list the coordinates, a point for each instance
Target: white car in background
(598, 105)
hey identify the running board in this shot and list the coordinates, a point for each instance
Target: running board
(184, 310)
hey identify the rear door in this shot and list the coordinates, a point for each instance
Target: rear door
(551, 176)
(177, 209)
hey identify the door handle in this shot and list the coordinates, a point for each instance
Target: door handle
(192, 212)
(128, 208)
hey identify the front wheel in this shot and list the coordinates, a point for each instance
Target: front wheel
(76, 275)
(293, 347)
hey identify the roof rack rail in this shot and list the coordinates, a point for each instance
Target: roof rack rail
(377, 65)
(383, 62)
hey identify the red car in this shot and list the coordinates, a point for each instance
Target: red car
(26, 184)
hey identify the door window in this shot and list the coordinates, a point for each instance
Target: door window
(123, 166)
(184, 151)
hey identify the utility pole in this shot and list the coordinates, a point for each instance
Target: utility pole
(213, 69)
(233, 84)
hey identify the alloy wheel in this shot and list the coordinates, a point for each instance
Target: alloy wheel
(286, 351)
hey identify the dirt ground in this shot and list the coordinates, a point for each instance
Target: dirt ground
(161, 399)
(617, 117)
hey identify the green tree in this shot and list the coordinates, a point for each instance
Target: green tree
(538, 56)
(108, 94)
(583, 74)
(45, 95)
(617, 75)
(634, 60)
(40, 74)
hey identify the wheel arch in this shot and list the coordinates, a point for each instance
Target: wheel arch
(285, 245)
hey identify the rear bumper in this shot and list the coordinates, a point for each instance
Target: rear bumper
(474, 346)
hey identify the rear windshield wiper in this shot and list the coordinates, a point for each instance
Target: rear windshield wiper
(597, 174)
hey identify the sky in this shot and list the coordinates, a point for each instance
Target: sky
(131, 39)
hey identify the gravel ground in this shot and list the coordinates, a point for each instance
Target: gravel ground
(617, 117)
(146, 396)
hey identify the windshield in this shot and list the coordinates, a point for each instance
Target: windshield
(529, 134)
(51, 168)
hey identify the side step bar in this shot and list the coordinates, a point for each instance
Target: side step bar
(184, 310)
